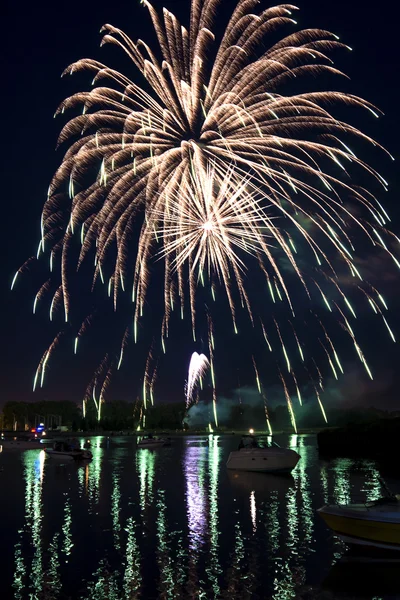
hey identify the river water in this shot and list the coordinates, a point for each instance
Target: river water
(175, 523)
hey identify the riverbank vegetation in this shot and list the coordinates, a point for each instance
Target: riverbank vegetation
(128, 416)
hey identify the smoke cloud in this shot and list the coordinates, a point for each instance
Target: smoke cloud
(244, 407)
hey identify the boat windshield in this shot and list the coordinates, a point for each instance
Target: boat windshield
(62, 447)
(266, 443)
(250, 441)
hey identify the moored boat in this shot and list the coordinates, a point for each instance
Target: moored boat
(65, 451)
(375, 524)
(148, 441)
(255, 455)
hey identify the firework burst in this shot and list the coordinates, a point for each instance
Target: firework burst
(213, 167)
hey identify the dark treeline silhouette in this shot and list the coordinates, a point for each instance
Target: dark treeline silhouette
(166, 416)
(21, 415)
(120, 415)
(115, 416)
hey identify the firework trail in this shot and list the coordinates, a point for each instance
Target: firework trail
(297, 389)
(257, 377)
(123, 346)
(41, 369)
(320, 404)
(216, 168)
(381, 299)
(317, 395)
(265, 336)
(320, 378)
(260, 391)
(146, 378)
(96, 381)
(267, 414)
(283, 347)
(330, 343)
(83, 328)
(289, 402)
(198, 365)
(41, 293)
(56, 302)
(152, 383)
(23, 268)
(346, 326)
(104, 387)
(329, 360)
(377, 310)
(297, 342)
(211, 346)
(86, 398)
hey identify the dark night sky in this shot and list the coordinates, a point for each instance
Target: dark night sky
(38, 43)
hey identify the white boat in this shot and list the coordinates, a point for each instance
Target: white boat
(21, 443)
(252, 456)
(64, 451)
(69, 455)
(149, 441)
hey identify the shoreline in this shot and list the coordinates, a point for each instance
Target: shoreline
(169, 432)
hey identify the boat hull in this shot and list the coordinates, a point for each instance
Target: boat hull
(68, 455)
(364, 530)
(151, 445)
(263, 460)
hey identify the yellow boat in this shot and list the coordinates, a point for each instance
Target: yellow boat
(375, 524)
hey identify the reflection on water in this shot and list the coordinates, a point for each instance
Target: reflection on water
(145, 461)
(19, 572)
(194, 468)
(33, 462)
(166, 585)
(291, 573)
(174, 523)
(66, 529)
(305, 509)
(170, 556)
(83, 474)
(132, 575)
(253, 510)
(214, 457)
(93, 474)
(53, 574)
(235, 572)
(272, 525)
(116, 508)
(284, 585)
(324, 483)
(196, 499)
(105, 585)
(371, 486)
(341, 480)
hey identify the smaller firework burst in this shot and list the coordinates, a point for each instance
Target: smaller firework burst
(199, 364)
